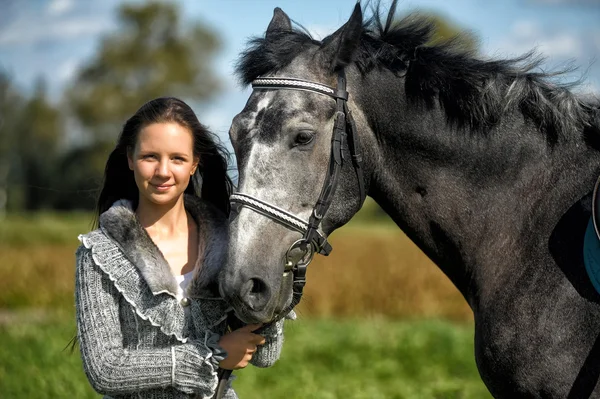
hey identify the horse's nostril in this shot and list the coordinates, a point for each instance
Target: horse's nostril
(256, 294)
(258, 286)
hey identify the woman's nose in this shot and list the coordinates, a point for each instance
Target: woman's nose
(162, 169)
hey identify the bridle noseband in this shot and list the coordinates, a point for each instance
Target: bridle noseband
(344, 135)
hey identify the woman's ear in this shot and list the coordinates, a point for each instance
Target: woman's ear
(195, 166)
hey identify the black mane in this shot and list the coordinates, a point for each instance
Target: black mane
(473, 92)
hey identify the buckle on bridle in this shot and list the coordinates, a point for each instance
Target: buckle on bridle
(299, 267)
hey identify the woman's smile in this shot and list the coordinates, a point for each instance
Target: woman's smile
(162, 187)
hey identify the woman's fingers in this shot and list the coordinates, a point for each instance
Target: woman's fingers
(241, 345)
(250, 327)
(244, 362)
(257, 339)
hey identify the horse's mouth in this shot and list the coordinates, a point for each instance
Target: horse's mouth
(251, 316)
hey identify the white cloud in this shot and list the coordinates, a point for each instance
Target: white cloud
(561, 45)
(563, 49)
(24, 32)
(526, 35)
(567, 2)
(59, 20)
(596, 41)
(218, 120)
(59, 7)
(67, 70)
(525, 29)
(319, 32)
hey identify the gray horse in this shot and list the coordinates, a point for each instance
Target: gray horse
(487, 166)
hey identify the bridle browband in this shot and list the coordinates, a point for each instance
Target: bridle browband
(344, 134)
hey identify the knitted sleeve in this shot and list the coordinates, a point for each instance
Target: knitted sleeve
(266, 355)
(113, 370)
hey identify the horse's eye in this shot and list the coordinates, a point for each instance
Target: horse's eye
(304, 137)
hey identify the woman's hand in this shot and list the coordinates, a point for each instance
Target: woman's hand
(240, 345)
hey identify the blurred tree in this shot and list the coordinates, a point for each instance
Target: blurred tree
(10, 104)
(446, 30)
(38, 134)
(81, 173)
(151, 55)
(30, 131)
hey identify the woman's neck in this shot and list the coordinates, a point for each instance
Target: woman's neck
(162, 220)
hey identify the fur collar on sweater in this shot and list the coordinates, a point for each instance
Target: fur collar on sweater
(121, 225)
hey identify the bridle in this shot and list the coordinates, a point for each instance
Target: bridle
(344, 135)
(312, 241)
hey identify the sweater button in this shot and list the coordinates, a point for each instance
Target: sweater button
(185, 302)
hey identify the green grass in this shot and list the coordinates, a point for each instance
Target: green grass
(321, 359)
(43, 228)
(34, 363)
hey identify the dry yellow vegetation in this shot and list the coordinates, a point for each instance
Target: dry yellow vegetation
(377, 271)
(374, 270)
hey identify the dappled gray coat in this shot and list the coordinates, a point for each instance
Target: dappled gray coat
(137, 340)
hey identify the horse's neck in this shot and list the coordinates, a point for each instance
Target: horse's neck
(466, 198)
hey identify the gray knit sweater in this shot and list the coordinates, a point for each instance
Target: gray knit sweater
(137, 339)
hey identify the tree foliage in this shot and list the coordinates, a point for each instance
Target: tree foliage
(10, 103)
(152, 55)
(30, 132)
(447, 30)
(40, 131)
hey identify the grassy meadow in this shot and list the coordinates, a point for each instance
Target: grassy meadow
(378, 320)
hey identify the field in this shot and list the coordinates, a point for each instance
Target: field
(378, 320)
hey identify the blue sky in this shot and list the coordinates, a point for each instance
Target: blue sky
(52, 38)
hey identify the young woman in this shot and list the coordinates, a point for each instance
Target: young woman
(150, 321)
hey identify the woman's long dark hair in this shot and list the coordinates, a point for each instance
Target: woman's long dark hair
(211, 173)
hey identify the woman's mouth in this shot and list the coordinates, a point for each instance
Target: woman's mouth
(162, 187)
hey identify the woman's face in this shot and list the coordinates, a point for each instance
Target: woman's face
(163, 162)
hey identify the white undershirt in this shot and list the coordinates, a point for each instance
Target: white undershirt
(182, 283)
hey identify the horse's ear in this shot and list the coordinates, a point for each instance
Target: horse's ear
(279, 22)
(338, 49)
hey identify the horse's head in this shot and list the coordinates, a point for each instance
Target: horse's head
(283, 143)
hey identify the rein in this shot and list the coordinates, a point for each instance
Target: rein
(312, 241)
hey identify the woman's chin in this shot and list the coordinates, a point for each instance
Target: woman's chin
(160, 198)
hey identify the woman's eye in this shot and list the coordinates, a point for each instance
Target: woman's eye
(304, 137)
